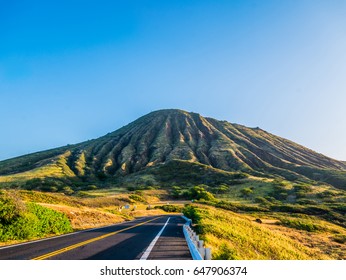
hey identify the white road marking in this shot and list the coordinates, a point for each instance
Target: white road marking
(152, 244)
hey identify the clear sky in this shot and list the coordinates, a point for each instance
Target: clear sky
(75, 70)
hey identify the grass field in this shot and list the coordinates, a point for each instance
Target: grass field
(239, 236)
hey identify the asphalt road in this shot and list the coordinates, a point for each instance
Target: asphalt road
(126, 241)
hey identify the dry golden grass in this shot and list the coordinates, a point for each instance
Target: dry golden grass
(322, 241)
(155, 196)
(51, 170)
(85, 217)
(238, 236)
(143, 213)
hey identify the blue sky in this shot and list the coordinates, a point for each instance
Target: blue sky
(75, 70)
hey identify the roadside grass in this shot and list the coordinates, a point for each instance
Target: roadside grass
(22, 221)
(80, 212)
(311, 231)
(238, 236)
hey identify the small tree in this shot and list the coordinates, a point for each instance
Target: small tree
(176, 191)
(198, 192)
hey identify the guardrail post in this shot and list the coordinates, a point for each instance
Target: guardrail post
(207, 255)
(201, 249)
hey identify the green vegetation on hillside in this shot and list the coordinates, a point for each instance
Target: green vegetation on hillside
(172, 147)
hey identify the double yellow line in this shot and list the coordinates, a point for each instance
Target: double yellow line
(63, 250)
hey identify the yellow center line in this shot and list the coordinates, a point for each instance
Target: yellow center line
(63, 250)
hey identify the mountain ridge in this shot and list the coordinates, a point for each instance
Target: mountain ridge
(172, 134)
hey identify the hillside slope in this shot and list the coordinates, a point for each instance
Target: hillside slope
(167, 136)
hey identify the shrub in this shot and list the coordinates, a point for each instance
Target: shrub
(304, 201)
(279, 183)
(300, 224)
(240, 175)
(91, 187)
(67, 190)
(176, 192)
(222, 189)
(262, 200)
(49, 221)
(198, 192)
(33, 221)
(326, 194)
(49, 189)
(225, 253)
(246, 192)
(191, 213)
(271, 199)
(11, 207)
(170, 208)
(138, 198)
(340, 238)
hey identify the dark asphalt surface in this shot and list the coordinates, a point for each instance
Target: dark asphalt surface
(172, 244)
(108, 244)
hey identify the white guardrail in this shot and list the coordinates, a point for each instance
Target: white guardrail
(197, 250)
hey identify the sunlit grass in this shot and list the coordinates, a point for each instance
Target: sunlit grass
(87, 212)
(238, 236)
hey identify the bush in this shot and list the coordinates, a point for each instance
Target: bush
(240, 175)
(304, 201)
(50, 221)
(262, 200)
(340, 238)
(170, 208)
(289, 208)
(67, 190)
(271, 199)
(138, 198)
(198, 192)
(34, 221)
(11, 207)
(91, 187)
(326, 194)
(49, 189)
(176, 192)
(225, 253)
(300, 224)
(191, 213)
(246, 192)
(302, 188)
(222, 189)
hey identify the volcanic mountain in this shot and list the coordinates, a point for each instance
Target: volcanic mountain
(167, 142)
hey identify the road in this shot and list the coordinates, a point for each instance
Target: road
(137, 239)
